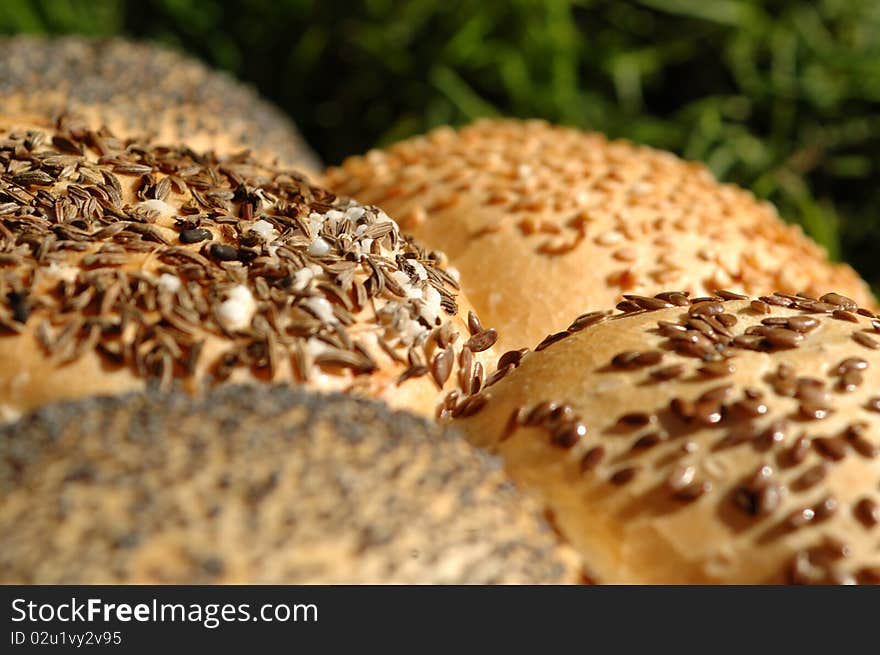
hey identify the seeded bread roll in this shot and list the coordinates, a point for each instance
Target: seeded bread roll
(253, 485)
(143, 90)
(545, 222)
(124, 263)
(724, 441)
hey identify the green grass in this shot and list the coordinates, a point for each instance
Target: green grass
(782, 97)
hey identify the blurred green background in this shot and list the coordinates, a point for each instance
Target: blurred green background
(782, 97)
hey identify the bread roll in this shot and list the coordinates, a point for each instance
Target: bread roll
(144, 90)
(546, 222)
(723, 441)
(123, 263)
(254, 485)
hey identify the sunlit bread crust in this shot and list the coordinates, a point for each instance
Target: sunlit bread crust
(124, 264)
(546, 222)
(144, 91)
(646, 441)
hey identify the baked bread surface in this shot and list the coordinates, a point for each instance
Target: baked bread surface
(714, 441)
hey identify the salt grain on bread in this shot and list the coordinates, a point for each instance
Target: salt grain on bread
(125, 263)
(144, 90)
(254, 485)
(724, 440)
(546, 222)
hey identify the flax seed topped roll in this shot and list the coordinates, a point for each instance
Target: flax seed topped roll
(144, 91)
(723, 440)
(547, 222)
(125, 263)
(254, 485)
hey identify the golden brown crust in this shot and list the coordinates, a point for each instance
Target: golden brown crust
(125, 262)
(546, 222)
(253, 485)
(725, 441)
(143, 90)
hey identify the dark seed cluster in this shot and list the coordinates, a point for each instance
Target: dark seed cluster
(788, 490)
(140, 253)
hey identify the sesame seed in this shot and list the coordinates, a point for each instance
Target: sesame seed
(592, 458)
(511, 357)
(825, 509)
(785, 371)
(750, 408)
(634, 419)
(693, 491)
(717, 394)
(813, 412)
(811, 477)
(569, 435)
(803, 324)
(864, 340)
(850, 364)
(624, 475)
(516, 418)
(850, 381)
(689, 447)
(782, 337)
(441, 366)
(730, 295)
(474, 325)
(799, 518)
(669, 329)
(777, 300)
(867, 511)
(707, 412)
(798, 451)
(759, 495)
(499, 374)
(677, 298)
(649, 440)
(854, 436)
(843, 315)
(840, 301)
(668, 372)
(540, 412)
(682, 408)
(586, 320)
(550, 339)
(748, 341)
(740, 434)
(477, 378)
(471, 406)
(708, 308)
(636, 359)
(760, 307)
(868, 575)
(773, 434)
(628, 306)
(717, 369)
(680, 477)
(465, 367)
(483, 340)
(812, 391)
(650, 304)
